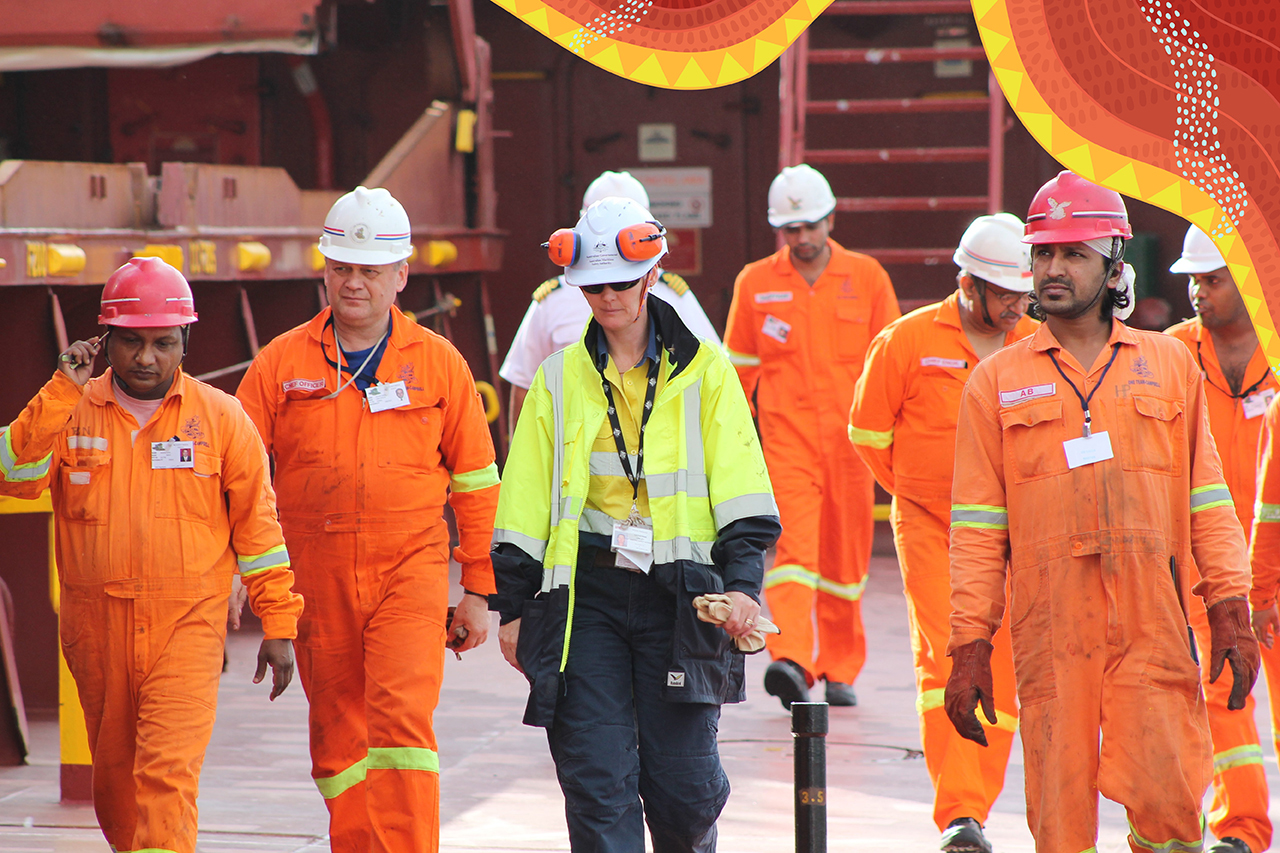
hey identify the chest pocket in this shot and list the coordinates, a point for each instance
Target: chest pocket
(85, 483)
(775, 327)
(935, 395)
(409, 437)
(191, 494)
(1033, 436)
(1152, 434)
(305, 429)
(853, 329)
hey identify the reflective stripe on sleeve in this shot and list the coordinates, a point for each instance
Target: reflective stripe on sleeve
(1208, 497)
(933, 700)
(744, 506)
(474, 481)
(1173, 846)
(11, 470)
(790, 573)
(871, 438)
(979, 516)
(271, 559)
(742, 359)
(535, 548)
(847, 591)
(1250, 753)
(379, 758)
(1265, 513)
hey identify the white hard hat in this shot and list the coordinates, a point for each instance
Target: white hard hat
(617, 184)
(992, 250)
(366, 227)
(1199, 254)
(799, 194)
(616, 240)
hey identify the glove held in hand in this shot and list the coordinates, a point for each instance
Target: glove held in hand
(969, 685)
(1233, 641)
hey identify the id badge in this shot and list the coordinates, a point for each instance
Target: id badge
(1087, 451)
(777, 329)
(1256, 404)
(633, 543)
(390, 395)
(173, 454)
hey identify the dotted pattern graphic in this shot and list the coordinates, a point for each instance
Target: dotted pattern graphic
(1197, 147)
(610, 22)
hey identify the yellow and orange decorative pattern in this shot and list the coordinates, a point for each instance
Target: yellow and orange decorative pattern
(673, 44)
(1174, 102)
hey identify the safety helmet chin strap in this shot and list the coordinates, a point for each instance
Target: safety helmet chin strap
(980, 291)
(649, 279)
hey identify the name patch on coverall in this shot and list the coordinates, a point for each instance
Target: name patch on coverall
(1031, 392)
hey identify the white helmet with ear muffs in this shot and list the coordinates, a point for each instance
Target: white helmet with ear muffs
(616, 240)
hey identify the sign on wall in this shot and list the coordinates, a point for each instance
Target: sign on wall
(678, 197)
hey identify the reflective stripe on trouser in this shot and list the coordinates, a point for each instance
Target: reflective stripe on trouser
(1111, 701)
(147, 675)
(966, 777)
(1240, 798)
(825, 505)
(370, 656)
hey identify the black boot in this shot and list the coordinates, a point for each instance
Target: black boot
(964, 835)
(786, 680)
(839, 693)
(1229, 845)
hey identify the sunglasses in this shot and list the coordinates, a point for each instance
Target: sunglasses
(616, 287)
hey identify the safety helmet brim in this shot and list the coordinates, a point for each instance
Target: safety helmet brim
(1196, 267)
(362, 257)
(148, 321)
(778, 220)
(613, 275)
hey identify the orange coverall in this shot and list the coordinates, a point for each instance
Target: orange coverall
(1240, 796)
(361, 502)
(903, 424)
(1100, 640)
(798, 351)
(145, 559)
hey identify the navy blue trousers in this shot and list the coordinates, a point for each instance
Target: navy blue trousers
(616, 742)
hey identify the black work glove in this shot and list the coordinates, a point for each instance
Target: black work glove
(1232, 640)
(969, 685)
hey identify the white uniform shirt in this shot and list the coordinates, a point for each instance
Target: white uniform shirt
(557, 319)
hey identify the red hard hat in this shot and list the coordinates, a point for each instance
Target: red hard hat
(147, 293)
(1070, 209)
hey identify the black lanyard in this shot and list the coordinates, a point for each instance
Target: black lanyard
(1084, 401)
(356, 372)
(1245, 393)
(649, 394)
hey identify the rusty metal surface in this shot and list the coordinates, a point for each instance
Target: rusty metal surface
(122, 23)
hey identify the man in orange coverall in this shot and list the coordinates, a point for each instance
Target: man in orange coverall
(1238, 385)
(799, 328)
(148, 539)
(903, 423)
(1089, 482)
(374, 422)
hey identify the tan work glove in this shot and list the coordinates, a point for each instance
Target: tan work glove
(969, 685)
(715, 608)
(1232, 640)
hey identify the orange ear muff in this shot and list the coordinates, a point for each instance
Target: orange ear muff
(641, 242)
(564, 247)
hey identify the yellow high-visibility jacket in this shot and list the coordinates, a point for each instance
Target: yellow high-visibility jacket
(709, 495)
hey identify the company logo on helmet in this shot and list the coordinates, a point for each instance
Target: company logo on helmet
(602, 245)
(360, 233)
(1056, 210)
(796, 203)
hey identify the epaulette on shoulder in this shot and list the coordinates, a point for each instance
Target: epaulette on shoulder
(675, 282)
(546, 289)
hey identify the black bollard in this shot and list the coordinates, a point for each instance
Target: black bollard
(809, 726)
